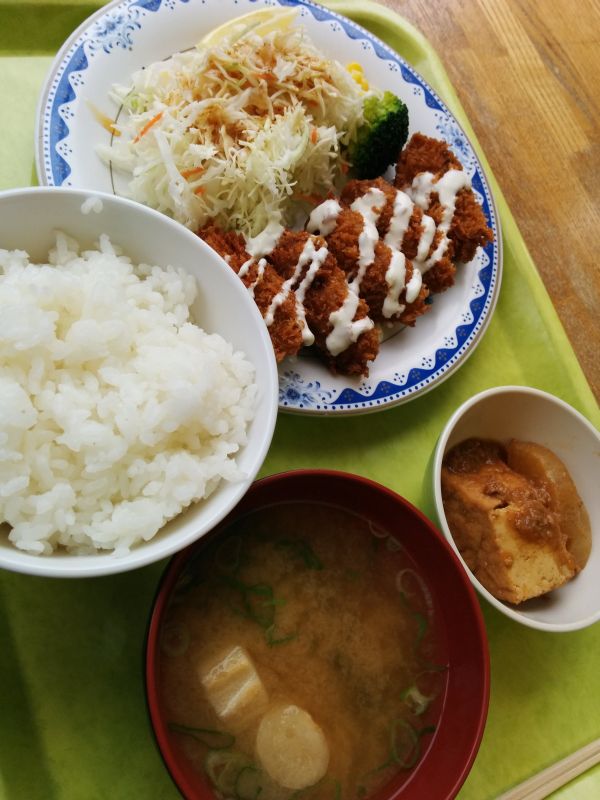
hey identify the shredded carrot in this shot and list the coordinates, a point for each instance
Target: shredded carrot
(187, 173)
(147, 126)
(344, 167)
(199, 190)
(267, 76)
(314, 136)
(105, 121)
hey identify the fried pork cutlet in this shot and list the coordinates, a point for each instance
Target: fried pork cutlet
(468, 229)
(380, 275)
(286, 329)
(378, 254)
(424, 154)
(403, 225)
(409, 240)
(373, 288)
(228, 244)
(322, 286)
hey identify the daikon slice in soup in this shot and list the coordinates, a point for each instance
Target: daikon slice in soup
(300, 655)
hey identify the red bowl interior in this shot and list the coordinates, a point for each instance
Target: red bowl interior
(445, 765)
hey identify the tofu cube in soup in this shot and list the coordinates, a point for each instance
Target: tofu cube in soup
(234, 689)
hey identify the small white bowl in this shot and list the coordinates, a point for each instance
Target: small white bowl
(28, 219)
(519, 412)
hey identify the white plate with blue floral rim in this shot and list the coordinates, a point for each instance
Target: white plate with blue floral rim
(124, 36)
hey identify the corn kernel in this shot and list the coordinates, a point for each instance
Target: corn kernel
(356, 71)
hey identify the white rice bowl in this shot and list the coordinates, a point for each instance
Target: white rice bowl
(117, 411)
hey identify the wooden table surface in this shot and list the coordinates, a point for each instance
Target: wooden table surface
(528, 76)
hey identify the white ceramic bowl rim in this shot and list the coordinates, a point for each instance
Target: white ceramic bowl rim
(103, 563)
(506, 609)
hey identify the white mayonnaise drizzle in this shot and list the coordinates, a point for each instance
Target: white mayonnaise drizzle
(395, 278)
(280, 297)
(447, 187)
(413, 287)
(426, 240)
(323, 218)
(244, 269)
(402, 212)
(265, 242)
(316, 259)
(421, 189)
(369, 206)
(345, 328)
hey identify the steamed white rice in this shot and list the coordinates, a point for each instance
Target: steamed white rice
(116, 411)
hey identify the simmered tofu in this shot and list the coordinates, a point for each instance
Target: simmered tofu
(292, 747)
(504, 523)
(234, 689)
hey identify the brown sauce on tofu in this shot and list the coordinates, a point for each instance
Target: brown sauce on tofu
(530, 502)
(510, 510)
(470, 455)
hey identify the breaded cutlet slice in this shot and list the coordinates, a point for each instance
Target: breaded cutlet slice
(469, 229)
(439, 276)
(264, 284)
(325, 295)
(344, 244)
(412, 235)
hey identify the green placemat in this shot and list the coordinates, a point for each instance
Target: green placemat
(73, 720)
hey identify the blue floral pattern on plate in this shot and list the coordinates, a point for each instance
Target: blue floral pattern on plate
(296, 392)
(453, 134)
(117, 31)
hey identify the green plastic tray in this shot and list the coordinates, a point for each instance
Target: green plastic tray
(73, 720)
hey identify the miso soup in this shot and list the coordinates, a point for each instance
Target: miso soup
(300, 656)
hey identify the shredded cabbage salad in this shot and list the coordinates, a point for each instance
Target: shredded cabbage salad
(240, 133)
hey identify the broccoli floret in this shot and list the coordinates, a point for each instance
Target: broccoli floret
(381, 136)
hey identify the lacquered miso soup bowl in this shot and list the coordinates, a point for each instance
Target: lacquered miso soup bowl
(527, 414)
(413, 551)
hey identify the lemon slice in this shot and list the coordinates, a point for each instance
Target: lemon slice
(260, 22)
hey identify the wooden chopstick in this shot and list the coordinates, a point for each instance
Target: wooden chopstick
(546, 781)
